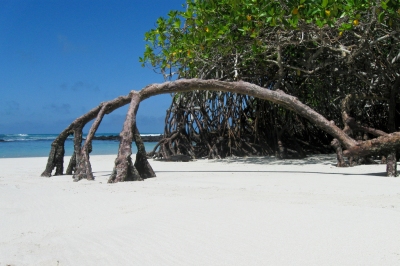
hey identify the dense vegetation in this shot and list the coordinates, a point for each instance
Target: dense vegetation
(261, 77)
(322, 52)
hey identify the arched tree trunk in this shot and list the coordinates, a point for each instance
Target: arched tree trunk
(56, 156)
(125, 170)
(278, 97)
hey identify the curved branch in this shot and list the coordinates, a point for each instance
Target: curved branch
(56, 156)
(278, 97)
(124, 169)
(383, 144)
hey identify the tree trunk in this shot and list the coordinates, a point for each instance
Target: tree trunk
(72, 165)
(141, 164)
(56, 156)
(241, 87)
(124, 169)
(391, 162)
(339, 153)
(75, 160)
(391, 165)
(84, 168)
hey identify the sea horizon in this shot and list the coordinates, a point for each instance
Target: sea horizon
(22, 145)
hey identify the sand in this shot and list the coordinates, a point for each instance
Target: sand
(243, 211)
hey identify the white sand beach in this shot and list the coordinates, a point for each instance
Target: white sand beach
(244, 211)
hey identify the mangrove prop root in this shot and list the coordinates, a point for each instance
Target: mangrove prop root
(125, 170)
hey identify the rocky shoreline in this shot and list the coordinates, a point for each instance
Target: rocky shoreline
(154, 138)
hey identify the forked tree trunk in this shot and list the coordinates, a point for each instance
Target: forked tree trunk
(84, 168)
(124, 169)
(56, 156)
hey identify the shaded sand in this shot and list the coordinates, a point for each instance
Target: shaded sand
(244, 211)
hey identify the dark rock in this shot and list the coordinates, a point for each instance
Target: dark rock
(112, 137)
(155, 138)
(176, 158)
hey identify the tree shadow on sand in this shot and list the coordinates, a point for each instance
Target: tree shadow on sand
(322, 159)
(325, 159)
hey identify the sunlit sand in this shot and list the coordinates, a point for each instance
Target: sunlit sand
(236, 211)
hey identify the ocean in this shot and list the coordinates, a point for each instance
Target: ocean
(38, 145)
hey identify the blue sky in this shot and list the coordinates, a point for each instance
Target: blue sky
(59, 59)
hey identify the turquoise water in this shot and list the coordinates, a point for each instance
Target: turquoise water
(38, 145)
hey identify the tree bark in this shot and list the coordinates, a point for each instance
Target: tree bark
(56, 156)
(241, 87)
(383, 144)
(391, 164)
(377, 145)
(351, 125)
(124, 169)
(339, 153)
(72, 165)
(391, 161)
(74, 162)
(142, 165)
(84, 168)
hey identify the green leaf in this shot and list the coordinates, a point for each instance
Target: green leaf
(177, 24)
(324, 3)
(315, 11)
(384, 5)
(346, 26)
(319, 23)
(381, 16)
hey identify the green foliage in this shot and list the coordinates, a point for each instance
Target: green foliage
(216, 27)
(316, 50)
